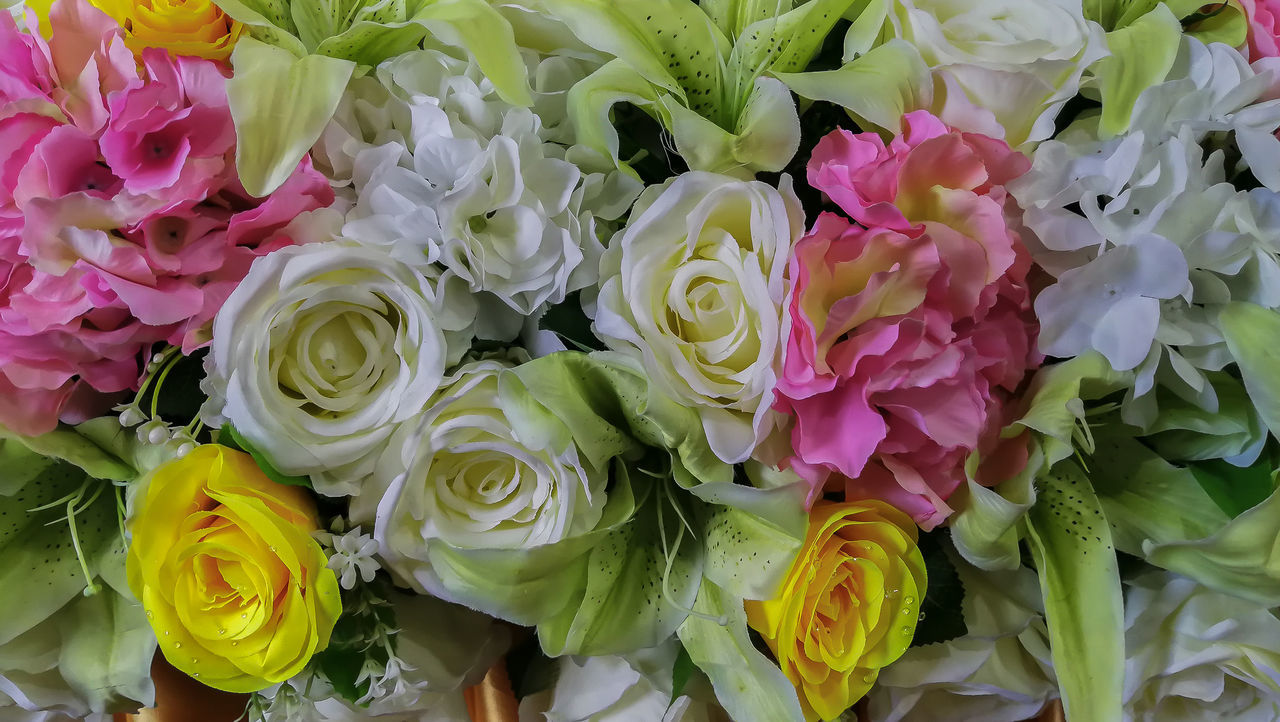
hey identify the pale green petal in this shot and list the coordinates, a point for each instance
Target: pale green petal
(107, 649)
(986, 527)
(877, 88)
(366, 43)
(768, 128)
(785, 43)
(701, 143)
(670, 43)
(1185, 431)
(1142, 54)
(20, 464)
(591, 102)
(1148, 499)
(270, 21)
(746, 555)
(749, 685)
(280, 103)
(41, 572)
(1242, 558)
(480, 28)
(1056, 411)
(866, 30)
(642, 578)
(732, 16)
(1251, 333)
(1084, 610)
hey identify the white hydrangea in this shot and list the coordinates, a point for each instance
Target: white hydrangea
(1146, 235)
(1195, 654)
(433, 164)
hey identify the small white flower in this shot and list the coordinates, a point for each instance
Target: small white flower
(351, 555)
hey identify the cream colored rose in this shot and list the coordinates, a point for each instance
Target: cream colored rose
(695, 288)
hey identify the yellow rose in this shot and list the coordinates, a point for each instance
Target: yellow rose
(848, 606)
(197, 28)
(223, 560)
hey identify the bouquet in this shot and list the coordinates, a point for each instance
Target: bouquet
(680, 360)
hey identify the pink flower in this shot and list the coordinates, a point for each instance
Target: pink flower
(1264, 28)
(911, 327)
(122, 222)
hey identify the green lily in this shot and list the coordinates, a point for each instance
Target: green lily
(292, 70)
(709, 73)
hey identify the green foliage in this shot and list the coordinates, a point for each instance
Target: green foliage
(942, 610)
(232, 439)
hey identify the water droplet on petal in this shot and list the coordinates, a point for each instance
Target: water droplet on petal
(922, 616)
(906, 631)
(908, 600)
(177, 645)
(151, 614)
(868, 678)
(890, 594)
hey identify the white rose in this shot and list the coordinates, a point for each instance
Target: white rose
(1001, 67)
(1195, 654)
(695, 288)
(323, 350)
(471, 481)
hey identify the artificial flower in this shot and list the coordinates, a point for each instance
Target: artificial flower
(1264, 28)
(473, 481)
(694, 288)
(1194, 654)
(301, 55)
(197, 28)
(1003, 68)
(122, 223)
(476, 185)
(708, 72)
(910, 332)
(848, 606)
(324, 349)
(223, 560)
(1146, 236)
(351, 556)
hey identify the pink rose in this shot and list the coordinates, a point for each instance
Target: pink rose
(911, 327)
(1264, 28)
(124, 225)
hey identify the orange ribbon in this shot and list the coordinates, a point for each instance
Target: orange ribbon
(492, 700)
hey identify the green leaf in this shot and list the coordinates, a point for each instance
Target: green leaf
(229, 437)
(1142, 54)
(941, 611)
(876, 88)
(748, 685)
(69, 444)
(1071, 546)
(1251, 332)
(1233, 489)
(280, 104)
(681, 672)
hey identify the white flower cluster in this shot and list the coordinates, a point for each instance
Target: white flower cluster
(446, 173)
(1146, 235)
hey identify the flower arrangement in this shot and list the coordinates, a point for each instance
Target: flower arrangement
(667, 359)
